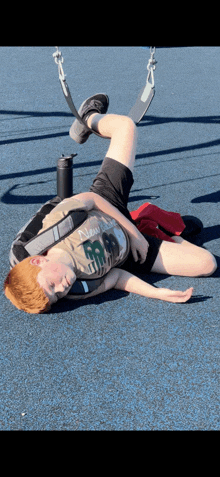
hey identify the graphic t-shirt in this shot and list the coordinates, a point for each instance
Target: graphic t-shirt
(96, 246)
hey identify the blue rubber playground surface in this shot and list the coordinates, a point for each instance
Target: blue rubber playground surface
(118, 361)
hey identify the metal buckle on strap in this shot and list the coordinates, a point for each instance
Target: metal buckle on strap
(58, 58)
(151, 66)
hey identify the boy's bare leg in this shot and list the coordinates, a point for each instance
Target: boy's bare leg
(180, 258)
(184, 259)
(123, 134)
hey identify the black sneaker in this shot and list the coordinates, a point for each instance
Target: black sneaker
(192, 231)
(194, 228)
(95, 104)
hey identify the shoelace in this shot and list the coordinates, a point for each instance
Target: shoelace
(93, 105)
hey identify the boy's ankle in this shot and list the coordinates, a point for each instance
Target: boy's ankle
(89, 118)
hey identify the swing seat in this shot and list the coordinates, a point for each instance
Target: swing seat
(136, 113)
(142, 104)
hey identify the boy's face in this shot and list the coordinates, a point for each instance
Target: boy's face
(56, 278)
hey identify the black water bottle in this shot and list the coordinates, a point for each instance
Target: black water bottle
(65, 176)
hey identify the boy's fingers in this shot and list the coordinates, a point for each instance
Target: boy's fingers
(184, 296)
(135, 255)
(144, 255)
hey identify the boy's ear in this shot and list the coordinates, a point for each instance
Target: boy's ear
(38, 260)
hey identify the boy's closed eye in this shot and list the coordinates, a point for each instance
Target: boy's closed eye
(56, 295)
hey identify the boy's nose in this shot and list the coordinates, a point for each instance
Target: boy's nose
(60, 288)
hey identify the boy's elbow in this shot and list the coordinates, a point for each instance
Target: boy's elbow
(112, 279)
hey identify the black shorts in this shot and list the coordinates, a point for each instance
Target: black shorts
(113, 183)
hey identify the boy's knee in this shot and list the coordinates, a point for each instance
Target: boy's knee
(209, 264)
(124, 122)
(129, 123)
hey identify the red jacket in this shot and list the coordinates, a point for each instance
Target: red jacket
(148, 217)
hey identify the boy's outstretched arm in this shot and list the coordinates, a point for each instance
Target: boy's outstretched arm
(121, 280)
(130, 283)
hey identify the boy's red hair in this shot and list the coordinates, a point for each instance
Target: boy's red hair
(23, 290)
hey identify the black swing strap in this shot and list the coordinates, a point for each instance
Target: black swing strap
(58, 58)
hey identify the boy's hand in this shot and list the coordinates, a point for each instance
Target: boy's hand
(139, 247)
(174, 296)
(130, 283)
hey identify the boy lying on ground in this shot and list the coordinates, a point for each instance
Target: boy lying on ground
(107, 246)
